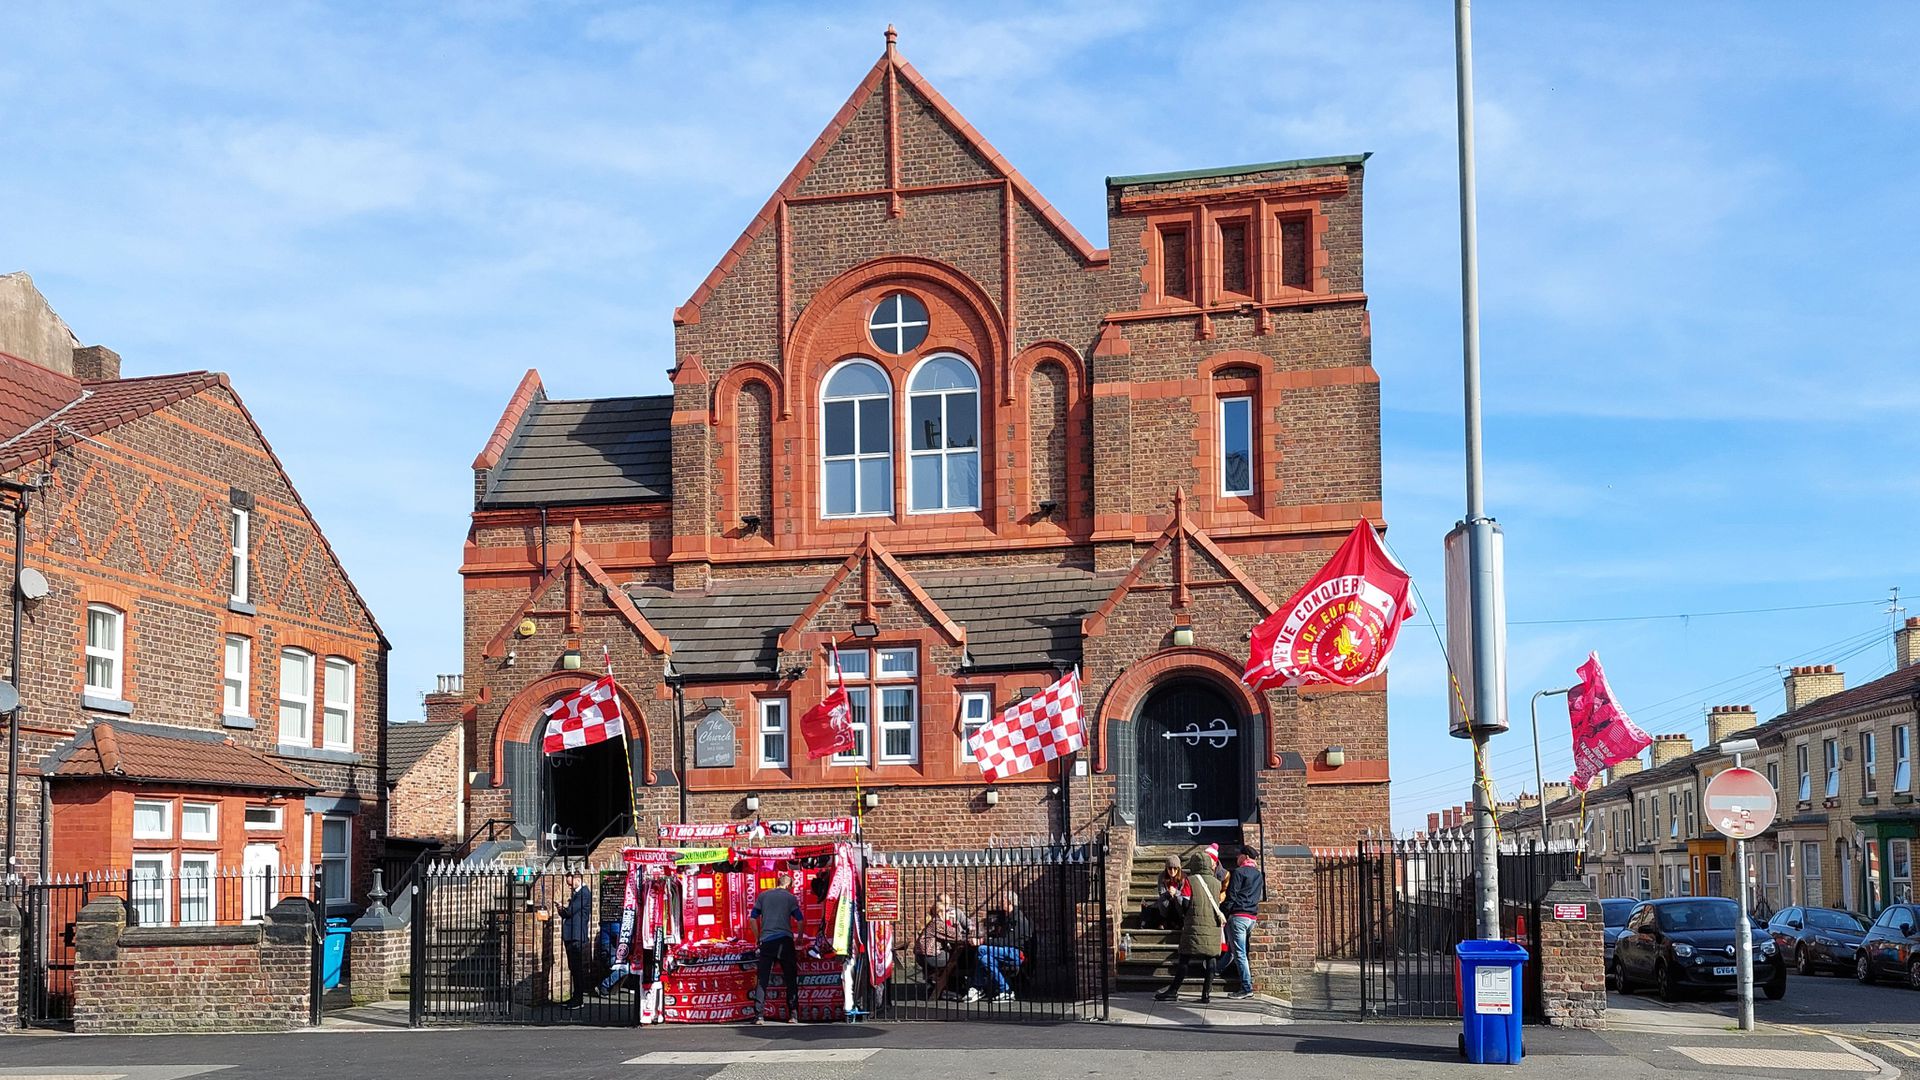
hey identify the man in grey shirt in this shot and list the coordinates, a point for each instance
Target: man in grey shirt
(777, 911)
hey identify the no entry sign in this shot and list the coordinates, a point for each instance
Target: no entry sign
(1740, 803)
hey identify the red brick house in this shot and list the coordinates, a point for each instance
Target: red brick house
(201, 686)
(917, 413)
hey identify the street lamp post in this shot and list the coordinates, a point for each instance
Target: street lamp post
(1539, 781)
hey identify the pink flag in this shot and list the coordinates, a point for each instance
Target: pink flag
(1602, 734)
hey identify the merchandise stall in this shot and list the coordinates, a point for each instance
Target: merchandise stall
(687, 936)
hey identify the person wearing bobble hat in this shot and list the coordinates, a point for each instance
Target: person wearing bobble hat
(1200, 938)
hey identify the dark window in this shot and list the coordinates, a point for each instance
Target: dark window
(1174, 280)
(1293, 253)
(1234, 275)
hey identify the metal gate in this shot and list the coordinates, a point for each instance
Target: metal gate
(1062, 934)
(47, 945)
(1395, 909)
(487, 950)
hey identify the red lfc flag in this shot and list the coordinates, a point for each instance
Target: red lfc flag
(828, 726)
(1602, 734)
(1341, 626)
(586, 716)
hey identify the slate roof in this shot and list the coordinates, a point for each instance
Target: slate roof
(408, 743)
(30, 395)
(595, 450)
(124, 750)
(1014, 618)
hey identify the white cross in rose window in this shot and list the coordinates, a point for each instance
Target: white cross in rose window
(898, 324)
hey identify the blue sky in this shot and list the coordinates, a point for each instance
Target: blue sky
(1697, 238)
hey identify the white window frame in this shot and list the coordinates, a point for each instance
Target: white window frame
(1673, 811)
(773, 716)
(1246, 402)
(341, 707)
(112, 654)
(1646, 884)
(900, 324)
(889, 674)
(278, 822)
(857, 457)
(1802, 755)
(1902, 760)
(1830, 757)
(236, 680)
(206, 890)
(151, 892)
(1901, 885)
(242, 529)
(166, 819)
(213, 820)
(1869, 763)
(943, 453)
(300, 700)
(976, 711)
(343, 858)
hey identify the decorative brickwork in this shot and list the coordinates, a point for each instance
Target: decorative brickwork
(192, 978)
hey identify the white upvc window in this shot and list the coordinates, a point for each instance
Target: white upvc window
(1236, 446)
(1806, 773)
(199, 821)
(237, 681)
(242, 545)
(943, 436)
(1831, 748)
(336, 712)
(856, 670)
(1903, 760)
(336, 867)
(899, 707)
(976, 708)
(856, 441)
(1869, 764)
(260, 817)
(148, 888)
(1900, 870)
(1673, 814)
(196, 890)
(773, 733)
(106, 649)
(152, 819)
(296, 697)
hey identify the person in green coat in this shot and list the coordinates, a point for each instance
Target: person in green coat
(1200, 935)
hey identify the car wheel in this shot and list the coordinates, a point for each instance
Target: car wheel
(1618, 977)
(1776, 987)
(1803, 962)
(1669, 984)
(1913, 975)
(1862, 970)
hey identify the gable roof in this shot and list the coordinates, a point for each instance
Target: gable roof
(408, 743)
(124, 750)
(583, 451)
(890, 63)
(33, 398)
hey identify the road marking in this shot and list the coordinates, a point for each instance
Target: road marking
(738, 1057)
(1776, 1059)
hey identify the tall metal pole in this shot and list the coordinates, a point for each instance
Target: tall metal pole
(1486, 640)
(1743, 934)
(8, 870)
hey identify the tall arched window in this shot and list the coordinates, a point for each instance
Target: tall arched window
(943, 435)
(856, 440)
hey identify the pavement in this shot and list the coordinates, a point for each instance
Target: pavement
(1226, 1040)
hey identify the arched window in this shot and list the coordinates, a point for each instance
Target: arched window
(856, 440)
(943, 435)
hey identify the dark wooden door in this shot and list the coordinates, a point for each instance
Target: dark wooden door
(1191, 751)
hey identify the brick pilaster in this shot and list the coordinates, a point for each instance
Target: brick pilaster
(1573, 980)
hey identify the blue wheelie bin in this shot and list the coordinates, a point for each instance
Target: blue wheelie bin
(1490, 1001)
(334, 953)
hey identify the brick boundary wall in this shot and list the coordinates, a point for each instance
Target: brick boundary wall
(191, 978)
(379, 951)
(10, 922)
(1573, 978)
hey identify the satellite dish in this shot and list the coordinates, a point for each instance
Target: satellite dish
(9, 697)
(33, 584)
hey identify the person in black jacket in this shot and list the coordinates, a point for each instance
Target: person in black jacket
(1003, 948)
(576, 933)
(1246, 886)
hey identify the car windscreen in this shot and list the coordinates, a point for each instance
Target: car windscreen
(1836, 920)
(1616, 914)
(1699, 915)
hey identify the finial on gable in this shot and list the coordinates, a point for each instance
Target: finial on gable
(893, 39)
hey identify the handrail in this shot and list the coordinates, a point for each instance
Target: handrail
(490, 827)
(605, 831)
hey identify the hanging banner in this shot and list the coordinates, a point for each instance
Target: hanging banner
(635, 856)
(1602, 734)
(1340, 627)
(716, 830)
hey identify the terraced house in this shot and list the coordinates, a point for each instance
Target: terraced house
(915, 412)
(201, 687)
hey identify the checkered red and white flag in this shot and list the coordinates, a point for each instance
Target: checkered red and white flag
(1034, 732)
(587, 716)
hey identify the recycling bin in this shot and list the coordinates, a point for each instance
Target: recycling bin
(1491, 1001)
(333, 953)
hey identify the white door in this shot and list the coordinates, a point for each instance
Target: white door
(260, 863)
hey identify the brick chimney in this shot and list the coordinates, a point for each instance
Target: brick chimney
(1670, 748)
(444, 704)
(1906, 643)
(94, 363)
(1724, 721)
(1557, 790)
(1449, 817)
(1808, 684)
(1620, 770)
(1433, 824)
(1528, 800)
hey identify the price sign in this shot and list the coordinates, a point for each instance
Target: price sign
(883, 894)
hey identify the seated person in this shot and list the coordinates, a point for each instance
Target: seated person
(947, 932)
(1001, 949)
(1168, 909)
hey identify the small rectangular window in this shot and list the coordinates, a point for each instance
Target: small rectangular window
(196, 890)
(147, 886)
(1236, 446)
(106, 639)
(1869, 764)
(336, 711)
(335, 858)
(853, 663)
(238, 664)
(1903, 759)
(296, 697)
(1806, 774)
(1175, 281)
(975, 708)
(1235, 275)
(898, 663)
(899, 725)
(263, 817)
(857, 704)
(152, 820)
(773, 733)
(1900, 869)
(1673, 815)
(1295, 273)
(199, 821)
(1831, 749)
(242, 545)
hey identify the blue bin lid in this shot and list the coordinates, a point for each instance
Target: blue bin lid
(339, 924)
(1492, 952)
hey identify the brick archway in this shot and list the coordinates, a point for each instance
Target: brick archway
(518, 719)
(1130, 690)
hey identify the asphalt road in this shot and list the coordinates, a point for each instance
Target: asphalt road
(1833, 1003)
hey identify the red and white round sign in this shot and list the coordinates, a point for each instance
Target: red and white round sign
(1740, 803)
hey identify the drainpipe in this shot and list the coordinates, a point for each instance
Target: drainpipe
(13, 674)
(679, 684)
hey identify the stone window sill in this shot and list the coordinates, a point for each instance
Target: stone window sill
(106, 705)
(1869, 800)
(242, 723)
(309, 753)
(241, 607)
(1903, 798)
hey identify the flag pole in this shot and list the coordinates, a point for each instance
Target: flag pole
(626, 751)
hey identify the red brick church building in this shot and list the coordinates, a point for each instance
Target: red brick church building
(917, 413)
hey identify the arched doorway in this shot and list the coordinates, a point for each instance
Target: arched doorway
(1193, 752)
(568, 801)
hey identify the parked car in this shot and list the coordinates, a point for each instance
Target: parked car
(1891, 949)
(1684, 943)
(1812, 938)
(1615, 911)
